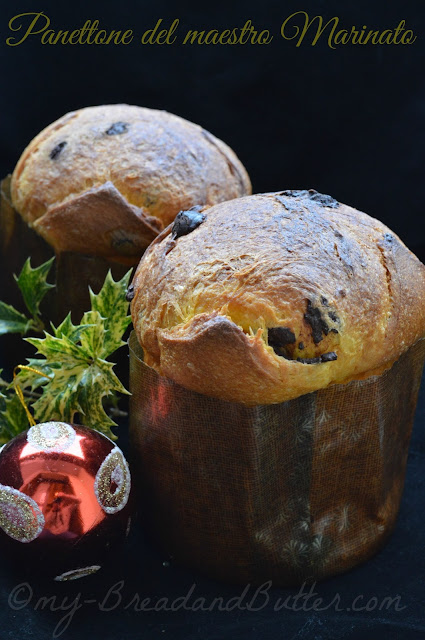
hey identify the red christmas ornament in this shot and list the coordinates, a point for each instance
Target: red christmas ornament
(64, 497)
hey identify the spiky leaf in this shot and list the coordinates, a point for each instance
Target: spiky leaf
(71, 331)
(79, 379)
(112, 305)
(99, 383)
(72, 375)
(13, 419)
(33, 284)
(11, 320)
(51, 347)
(93, 337)
(35, 374)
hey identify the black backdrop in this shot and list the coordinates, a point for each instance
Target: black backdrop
(349, 122)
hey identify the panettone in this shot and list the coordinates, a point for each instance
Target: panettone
(106, 180)
(268, 297)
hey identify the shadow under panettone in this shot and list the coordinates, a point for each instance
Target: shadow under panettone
(290, 492)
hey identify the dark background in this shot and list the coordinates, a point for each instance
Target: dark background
(349, 122)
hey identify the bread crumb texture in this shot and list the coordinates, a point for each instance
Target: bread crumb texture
(276, 295)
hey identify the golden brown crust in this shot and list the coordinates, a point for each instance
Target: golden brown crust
(255, 303)
(158, 162)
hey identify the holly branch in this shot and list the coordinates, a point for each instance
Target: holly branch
(71, 379)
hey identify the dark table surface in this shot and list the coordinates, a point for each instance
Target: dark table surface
(383, 598)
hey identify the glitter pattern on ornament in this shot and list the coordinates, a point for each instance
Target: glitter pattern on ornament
(64, 491)
(112, 484)
(51, 436)
(20, 516)
(77, 573)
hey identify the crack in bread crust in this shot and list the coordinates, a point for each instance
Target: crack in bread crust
(159, 163)
(256, 306)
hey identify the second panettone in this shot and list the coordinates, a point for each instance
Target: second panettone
(266, 298)
(105, 180)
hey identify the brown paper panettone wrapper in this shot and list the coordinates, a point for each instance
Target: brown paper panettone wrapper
(288, 492)
(17, 242)
(74, 273)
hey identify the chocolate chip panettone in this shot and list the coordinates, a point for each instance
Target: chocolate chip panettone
(268, 297)
(106, 180)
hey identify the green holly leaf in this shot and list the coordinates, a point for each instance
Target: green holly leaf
(99, 383)
(93, 337)
(33, 284)
(66, 363)
(71, 331)
(80, 380)
(12, 321)
(13, 419)
(71, 377)
(112, 305)
(34, 376)
(52, 346)
(59, 400)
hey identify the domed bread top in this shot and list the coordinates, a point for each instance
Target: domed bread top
(105, 180)
(272, 296)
